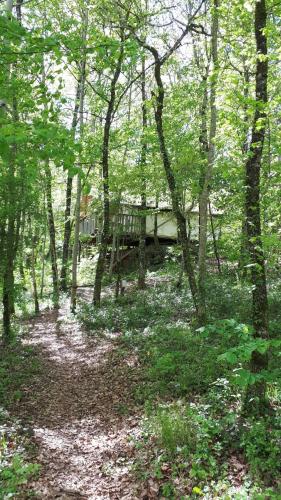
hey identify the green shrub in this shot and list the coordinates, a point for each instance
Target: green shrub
(180, 360)
(261, 443)
(13, 476)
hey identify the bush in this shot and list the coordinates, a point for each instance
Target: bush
(13, 476)
(261, 443)
(182, 361)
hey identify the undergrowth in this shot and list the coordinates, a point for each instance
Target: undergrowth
(17, 365)
(195, 440)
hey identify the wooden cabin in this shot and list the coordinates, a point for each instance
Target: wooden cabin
(126, 224)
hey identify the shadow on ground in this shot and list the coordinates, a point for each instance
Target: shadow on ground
(81, 410)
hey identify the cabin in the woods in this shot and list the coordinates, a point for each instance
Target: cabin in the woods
(125, 223)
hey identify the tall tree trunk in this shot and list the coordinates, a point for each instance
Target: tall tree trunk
(113, 247)
(43, 260)
(256, 395)
(9, 241)
(244, 251)
(52, 233)
(181, 221)
(105, 174)
(76, 243)
(68, 196)
(50, 213)
(8, 278)
(33, 275)
(207, 175)
(142, 238)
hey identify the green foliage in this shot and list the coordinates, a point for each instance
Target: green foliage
(17, 365)
(135, 311)
(15, 475)
(261, 443)
(175, 429)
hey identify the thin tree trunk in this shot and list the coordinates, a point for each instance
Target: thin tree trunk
(204, 195)
(33, 275)
(142, 238)
(52, 234)
(216, 251)
(68, 196)
(76, 243)
(118, 270)
(181, 221)
(155, 229)
(43, 262)
(21, 248)
(105, 173)
(18, 10)
(114, 241)
(256, 395)
(8, 280)
(50, 215)
(244, 251)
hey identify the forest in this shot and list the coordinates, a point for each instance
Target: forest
(140, 249)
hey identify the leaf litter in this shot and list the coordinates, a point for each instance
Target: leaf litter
(82, 412)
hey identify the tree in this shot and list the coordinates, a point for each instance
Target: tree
(208, 150)
(256, 395)
(79, 187)
(105, 172)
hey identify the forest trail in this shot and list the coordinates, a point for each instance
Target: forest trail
(81, 411)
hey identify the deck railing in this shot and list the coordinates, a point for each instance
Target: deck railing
(121, 225)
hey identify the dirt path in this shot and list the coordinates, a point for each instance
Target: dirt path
(81, 411)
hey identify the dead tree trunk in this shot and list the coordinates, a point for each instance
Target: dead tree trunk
(256, 395)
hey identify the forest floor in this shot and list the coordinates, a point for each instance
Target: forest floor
(117, 405)
(80, 411)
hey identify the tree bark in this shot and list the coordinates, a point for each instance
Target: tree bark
(181, 221)
(33, 275)
(9, 233)
(52, 234)
(244, 251)
(68, 196)
(43, 261)
(256, 395)
(209, 148)
(155, 228)
(76, 243)
(105, 173)
(142, 238)
(216, 251)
